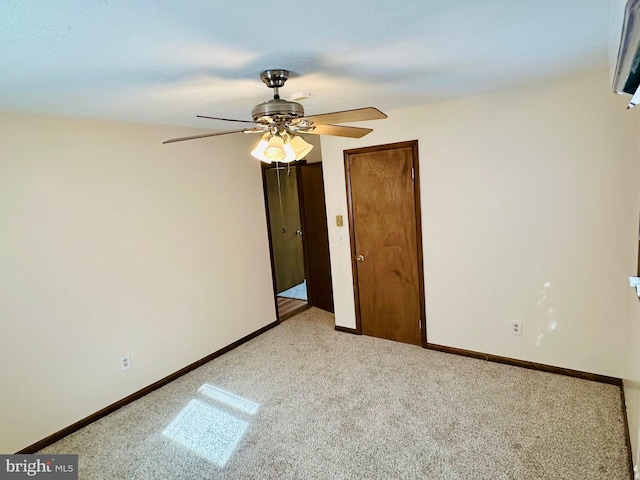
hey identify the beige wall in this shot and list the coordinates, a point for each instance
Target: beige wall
(112, 243)
(530, 209)
(632, 373)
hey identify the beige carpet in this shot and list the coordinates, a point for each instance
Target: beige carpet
(305, 402)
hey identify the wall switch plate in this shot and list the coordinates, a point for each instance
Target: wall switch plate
(125, 362)
(516, 327)
(339, 221)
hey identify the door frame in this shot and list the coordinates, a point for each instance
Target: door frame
(305, 253)
(413, 144)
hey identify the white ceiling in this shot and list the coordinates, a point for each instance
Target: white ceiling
(163, 61)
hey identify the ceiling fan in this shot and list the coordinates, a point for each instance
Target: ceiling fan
(282, 121)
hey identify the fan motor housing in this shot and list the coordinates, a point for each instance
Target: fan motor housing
(277, 108)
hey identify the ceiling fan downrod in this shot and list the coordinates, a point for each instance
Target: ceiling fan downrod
(269, 111)
(275, 79)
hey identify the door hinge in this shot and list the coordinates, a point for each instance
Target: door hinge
(413, 173)
(420, 324)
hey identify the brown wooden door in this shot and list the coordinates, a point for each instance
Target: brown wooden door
(314, 218)
(384, 218)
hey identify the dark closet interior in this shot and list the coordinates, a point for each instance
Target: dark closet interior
(298, 237)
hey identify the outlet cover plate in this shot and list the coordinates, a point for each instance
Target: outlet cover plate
(125, 362)
(516, 327)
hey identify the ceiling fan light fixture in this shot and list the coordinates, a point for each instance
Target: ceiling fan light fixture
(259, 151)
(290, 154)
(300, 147)
(284, 139)
(275, 149)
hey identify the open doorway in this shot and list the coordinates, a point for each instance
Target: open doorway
(298, 239)
(285, 229)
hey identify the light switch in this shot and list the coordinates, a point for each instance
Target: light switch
(339, 222)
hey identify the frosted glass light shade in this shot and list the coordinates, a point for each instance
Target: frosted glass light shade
(275, 149)
(300, 147)
(290, 154)
(283, 148)
(258, 152)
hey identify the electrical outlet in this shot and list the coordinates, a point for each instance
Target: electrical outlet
(516, 327)
(125, 362)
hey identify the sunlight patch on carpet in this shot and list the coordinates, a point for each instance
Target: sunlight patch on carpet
(208, 431)
(230, 399)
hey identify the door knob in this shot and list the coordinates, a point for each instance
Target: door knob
(298, 232)
(361, 258)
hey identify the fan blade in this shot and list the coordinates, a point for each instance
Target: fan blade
(340, 131)
(345, 116)
(193, 137)
(224, 119)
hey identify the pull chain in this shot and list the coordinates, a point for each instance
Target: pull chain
(280, 197)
